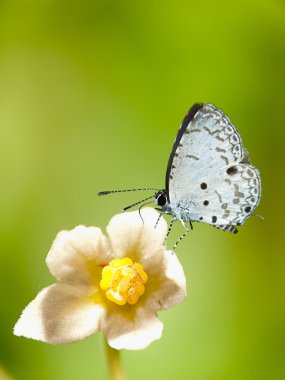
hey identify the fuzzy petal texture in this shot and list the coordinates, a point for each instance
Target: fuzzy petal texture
(130, 236)
(134, 333)
(168, 287)
(60, 314)
(76, 254)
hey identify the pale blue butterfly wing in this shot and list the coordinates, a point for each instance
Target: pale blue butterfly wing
(209, 176)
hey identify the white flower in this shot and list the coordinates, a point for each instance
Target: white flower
(115, 285)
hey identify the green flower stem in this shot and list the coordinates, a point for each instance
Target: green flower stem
(114, 363)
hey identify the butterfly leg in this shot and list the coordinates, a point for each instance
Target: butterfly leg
(182, 236)
(158, 219)
(169, 229)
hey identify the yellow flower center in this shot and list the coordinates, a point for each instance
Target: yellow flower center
(123, 281)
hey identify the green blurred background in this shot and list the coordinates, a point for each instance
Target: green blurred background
(91, 96)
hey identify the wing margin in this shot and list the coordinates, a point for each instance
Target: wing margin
(187, 119)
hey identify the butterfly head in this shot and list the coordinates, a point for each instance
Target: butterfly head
(161, 199)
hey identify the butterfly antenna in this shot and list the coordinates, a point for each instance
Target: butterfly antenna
(137, 203)
(141, 208)
(124, 191)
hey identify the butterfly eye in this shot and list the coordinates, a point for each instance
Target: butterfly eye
(161, 200)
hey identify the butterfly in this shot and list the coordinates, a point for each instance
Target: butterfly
(209, 176)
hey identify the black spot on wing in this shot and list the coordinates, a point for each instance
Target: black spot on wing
(232, 170)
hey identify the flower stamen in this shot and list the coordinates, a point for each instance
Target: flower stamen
(123, 281)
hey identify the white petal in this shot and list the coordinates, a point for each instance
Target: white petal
(167, 287)
(132, 333)
(76, 255)
(60, 314)
(130, 235)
